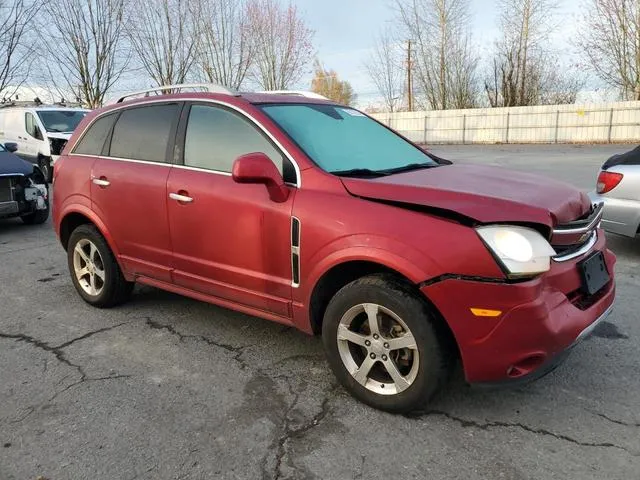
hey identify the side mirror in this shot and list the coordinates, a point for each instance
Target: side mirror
(258, 168)
(11, 147)
(38, 134)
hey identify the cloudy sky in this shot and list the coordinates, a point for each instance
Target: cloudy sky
(345, 32)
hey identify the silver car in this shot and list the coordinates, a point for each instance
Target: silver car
(619, 188)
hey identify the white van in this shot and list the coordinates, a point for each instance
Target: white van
(41, 131)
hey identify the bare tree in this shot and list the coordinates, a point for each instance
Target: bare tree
(385, 69)
(282, 42)
(225, 51)
(15, 43)
(445, 63)
(162, 34)
(610, 40)
(525, 69)
(327, 83)
(84, 39)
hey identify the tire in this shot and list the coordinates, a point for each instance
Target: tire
(99, 280)
(36, 218)
(45, 166)
(423, 367)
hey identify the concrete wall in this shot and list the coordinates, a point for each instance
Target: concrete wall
(590, 123)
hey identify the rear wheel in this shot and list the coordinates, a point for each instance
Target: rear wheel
(383, 346)
(94, 270)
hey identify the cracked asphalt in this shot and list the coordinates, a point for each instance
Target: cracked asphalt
(169, 388)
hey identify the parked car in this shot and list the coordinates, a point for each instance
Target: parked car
(313, 214)
(40, 131)
(23, 188)
(618, 187)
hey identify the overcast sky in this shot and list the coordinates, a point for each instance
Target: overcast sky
(345, 32)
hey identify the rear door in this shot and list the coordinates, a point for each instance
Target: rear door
(229, 240)
(129, 187)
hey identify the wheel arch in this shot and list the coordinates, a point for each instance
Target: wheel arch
(341, 274)
(73, 218)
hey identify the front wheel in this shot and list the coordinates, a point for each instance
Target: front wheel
(383, 345)
(94, 269)
(45, 166)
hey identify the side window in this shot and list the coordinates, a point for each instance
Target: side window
(32, 126)
(93, 140)
(216, 137)
(142, 133)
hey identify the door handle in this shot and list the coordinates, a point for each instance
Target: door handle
(180, 198)
(101, 182)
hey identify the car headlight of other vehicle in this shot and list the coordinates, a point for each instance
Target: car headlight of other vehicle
(522, 251)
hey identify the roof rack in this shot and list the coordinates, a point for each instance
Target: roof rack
(298, 93)
(203, 87)
(5, 103)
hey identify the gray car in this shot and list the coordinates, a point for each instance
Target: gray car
(619, 188)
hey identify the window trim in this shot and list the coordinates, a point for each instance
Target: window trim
(168, 154)
(241, 112)
(182, 138)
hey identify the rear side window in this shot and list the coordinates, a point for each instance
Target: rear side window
(142, 133)
(93, 140)
(216, 137)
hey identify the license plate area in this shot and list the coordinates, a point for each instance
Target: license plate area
(594, 273)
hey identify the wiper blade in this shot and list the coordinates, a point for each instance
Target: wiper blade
(411, 166)
(360, 172)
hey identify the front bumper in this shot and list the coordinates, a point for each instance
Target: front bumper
(540, 319)
(621, 216)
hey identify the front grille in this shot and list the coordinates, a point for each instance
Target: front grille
(575, 238)
(6, 189)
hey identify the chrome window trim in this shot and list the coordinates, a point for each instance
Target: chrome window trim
(581, 251)
(118, 159)
(241, 112)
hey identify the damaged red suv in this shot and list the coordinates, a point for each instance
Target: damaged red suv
(298, 210)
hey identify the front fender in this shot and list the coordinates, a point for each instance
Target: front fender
(413, 264)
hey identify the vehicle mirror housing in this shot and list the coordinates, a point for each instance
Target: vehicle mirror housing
(258, 168)
(11, 147)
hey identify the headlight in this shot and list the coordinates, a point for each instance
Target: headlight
(522, 251)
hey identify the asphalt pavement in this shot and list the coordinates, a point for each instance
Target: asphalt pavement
(169, 388)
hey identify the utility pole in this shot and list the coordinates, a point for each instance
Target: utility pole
(409, 79)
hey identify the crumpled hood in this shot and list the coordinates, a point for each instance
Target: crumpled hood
(62, 136)
(483, 193)
(12, 164)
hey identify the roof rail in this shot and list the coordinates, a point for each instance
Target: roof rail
(299, 93)
(205, 87)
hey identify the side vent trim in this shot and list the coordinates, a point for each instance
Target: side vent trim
(295, 252)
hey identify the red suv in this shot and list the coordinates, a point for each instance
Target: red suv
(312, 214)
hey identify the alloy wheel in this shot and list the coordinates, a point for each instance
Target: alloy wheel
(378, 349)
(89, 267)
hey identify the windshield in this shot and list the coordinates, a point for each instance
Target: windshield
(2, 148)
(343, 140)
(61, 121)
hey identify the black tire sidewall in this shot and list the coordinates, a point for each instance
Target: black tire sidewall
(38, 217)
(45, 166)
(415, 313)
(108, 293)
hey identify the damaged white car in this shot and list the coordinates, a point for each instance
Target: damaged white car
(24, 190)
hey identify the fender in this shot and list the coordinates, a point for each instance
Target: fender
(77, 204)
(414, 264)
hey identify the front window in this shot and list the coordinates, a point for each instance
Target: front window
(61, 121)
(343, 141)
